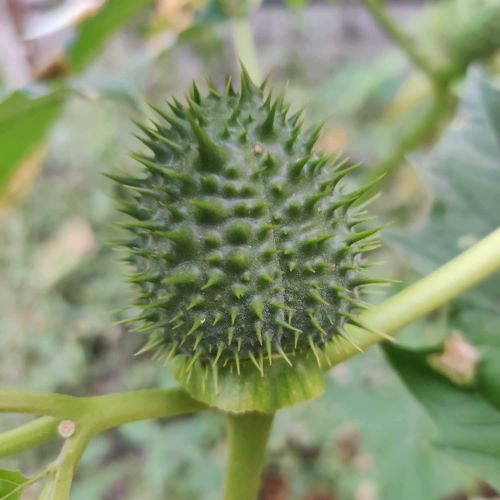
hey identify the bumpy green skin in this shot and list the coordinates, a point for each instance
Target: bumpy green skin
(245, 247)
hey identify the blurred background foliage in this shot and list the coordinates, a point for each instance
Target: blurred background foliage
(74, 73)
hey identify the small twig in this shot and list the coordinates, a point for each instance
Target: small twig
(66, 463)
(379, 13)
(27, 436)
(423, 129)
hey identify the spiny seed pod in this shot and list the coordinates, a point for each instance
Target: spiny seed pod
(247, 251)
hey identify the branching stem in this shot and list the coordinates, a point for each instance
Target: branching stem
(28, 436)
(67, 462)
(90, 416)
(247, 433)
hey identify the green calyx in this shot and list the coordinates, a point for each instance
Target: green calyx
(246, 250)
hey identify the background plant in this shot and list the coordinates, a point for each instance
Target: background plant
(77, 297)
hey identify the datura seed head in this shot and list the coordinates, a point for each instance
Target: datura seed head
(246, 250)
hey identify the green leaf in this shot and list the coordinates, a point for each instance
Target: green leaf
(11, 484)
(463, 173)
(96, 30)
(481, 329)
(24, 121)
(368, 407)
(469, 425)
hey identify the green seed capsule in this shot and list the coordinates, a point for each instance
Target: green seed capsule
(244, 247)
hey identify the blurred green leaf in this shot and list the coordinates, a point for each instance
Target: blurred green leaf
(375, 435)
(469, 425)
(11, 484)
(24, 121)
(397, 434)
(463, 173)
(296, 4)
(94, 31)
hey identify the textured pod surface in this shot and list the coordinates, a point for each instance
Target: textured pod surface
(245, 247)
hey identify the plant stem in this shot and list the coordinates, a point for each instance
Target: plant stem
(28, 436)
(431, 120)
(435, 290)
(379, 13)
(245, 47)
(67, 462)
(39, 403)
(91, 416)
(116, 409)
(247, 440)
(104, 411)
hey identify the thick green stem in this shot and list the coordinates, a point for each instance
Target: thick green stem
(27, 436)
(245, 47)
(117, 409)
(39, 403)
(247, 440)
(379, 13)
(435, 290)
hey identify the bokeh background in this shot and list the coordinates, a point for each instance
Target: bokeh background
(73, 75)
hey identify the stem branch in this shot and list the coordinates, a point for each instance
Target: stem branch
(247, 439)
(424, 128)
(39, 403)
(435, 290)
(91, 416)
(379, 13)
(28, 436)
(67, 462)
(117, 409)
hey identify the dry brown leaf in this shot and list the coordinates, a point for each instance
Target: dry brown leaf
(175, 14)
(457, 361)
(367, 490)
(22, 179)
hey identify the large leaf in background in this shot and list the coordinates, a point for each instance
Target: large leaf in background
(469, 425)
(11, 484)
(95, 30)
(398, 435)
(463, 172)
(24, 121)
(395, 435)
